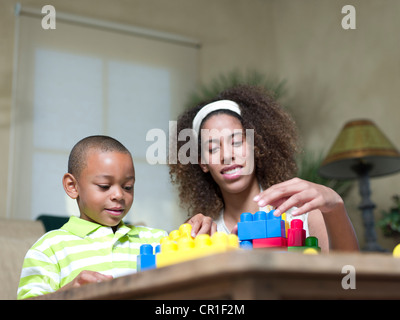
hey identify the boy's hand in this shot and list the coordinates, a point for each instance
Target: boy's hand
(86, 277)
(202, 224)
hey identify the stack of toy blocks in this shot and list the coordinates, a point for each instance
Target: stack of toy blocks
(259, 230)
(262, 230)
(180, 246)
(265, 230)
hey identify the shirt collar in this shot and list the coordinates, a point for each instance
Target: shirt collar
(82, 228)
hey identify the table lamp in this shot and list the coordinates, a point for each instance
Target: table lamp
(362, 151)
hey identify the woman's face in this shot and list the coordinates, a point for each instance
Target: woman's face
(226, 153)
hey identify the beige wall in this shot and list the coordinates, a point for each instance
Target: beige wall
(333, 75)
(336, 75)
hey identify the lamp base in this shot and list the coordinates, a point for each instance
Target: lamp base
(367, 208)
(373, 246)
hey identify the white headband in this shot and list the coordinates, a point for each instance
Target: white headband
(214, 106)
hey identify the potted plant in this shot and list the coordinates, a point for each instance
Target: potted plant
(390, 220)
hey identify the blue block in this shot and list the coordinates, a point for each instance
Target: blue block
(246, 244)
(252, 226)
(275, 226)
(260, 226)
(146, 259)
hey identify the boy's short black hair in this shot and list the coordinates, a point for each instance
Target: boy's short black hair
(77, 157)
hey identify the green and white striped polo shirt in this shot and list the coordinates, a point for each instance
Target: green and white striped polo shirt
(60, 255)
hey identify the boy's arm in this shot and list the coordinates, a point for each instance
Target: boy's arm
(39, 275)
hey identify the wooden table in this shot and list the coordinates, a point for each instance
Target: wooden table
(254, 274)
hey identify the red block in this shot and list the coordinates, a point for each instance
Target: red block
(296, 234)
(270, 242)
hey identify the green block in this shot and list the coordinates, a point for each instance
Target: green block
(310, 242)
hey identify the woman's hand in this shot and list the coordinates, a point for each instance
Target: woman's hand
(202, 224)
(304, 195)
(332, 227)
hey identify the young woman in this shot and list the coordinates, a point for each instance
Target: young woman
(247, 148)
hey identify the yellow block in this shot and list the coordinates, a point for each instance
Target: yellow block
(310, 251)
(180, 246)
(286, 223)
(396, 251)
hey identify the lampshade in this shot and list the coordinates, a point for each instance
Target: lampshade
(360, 141)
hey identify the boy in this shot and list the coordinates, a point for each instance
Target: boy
(97, 246)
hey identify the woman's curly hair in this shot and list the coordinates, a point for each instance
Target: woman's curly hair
(275, 149)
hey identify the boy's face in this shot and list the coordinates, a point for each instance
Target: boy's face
(105, 187)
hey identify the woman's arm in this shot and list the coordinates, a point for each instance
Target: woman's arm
(328, 217)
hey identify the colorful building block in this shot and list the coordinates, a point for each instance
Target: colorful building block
(396, 251)
(275, 226)
(246, 244)
(286, 223)
(146, 259)
(310, 246)
(260, 226)
(277, 242)
(180, 246)
(296, 234)
(252, 226)
(261, 230)
(311, 251)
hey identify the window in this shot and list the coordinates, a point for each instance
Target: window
(79, 80)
